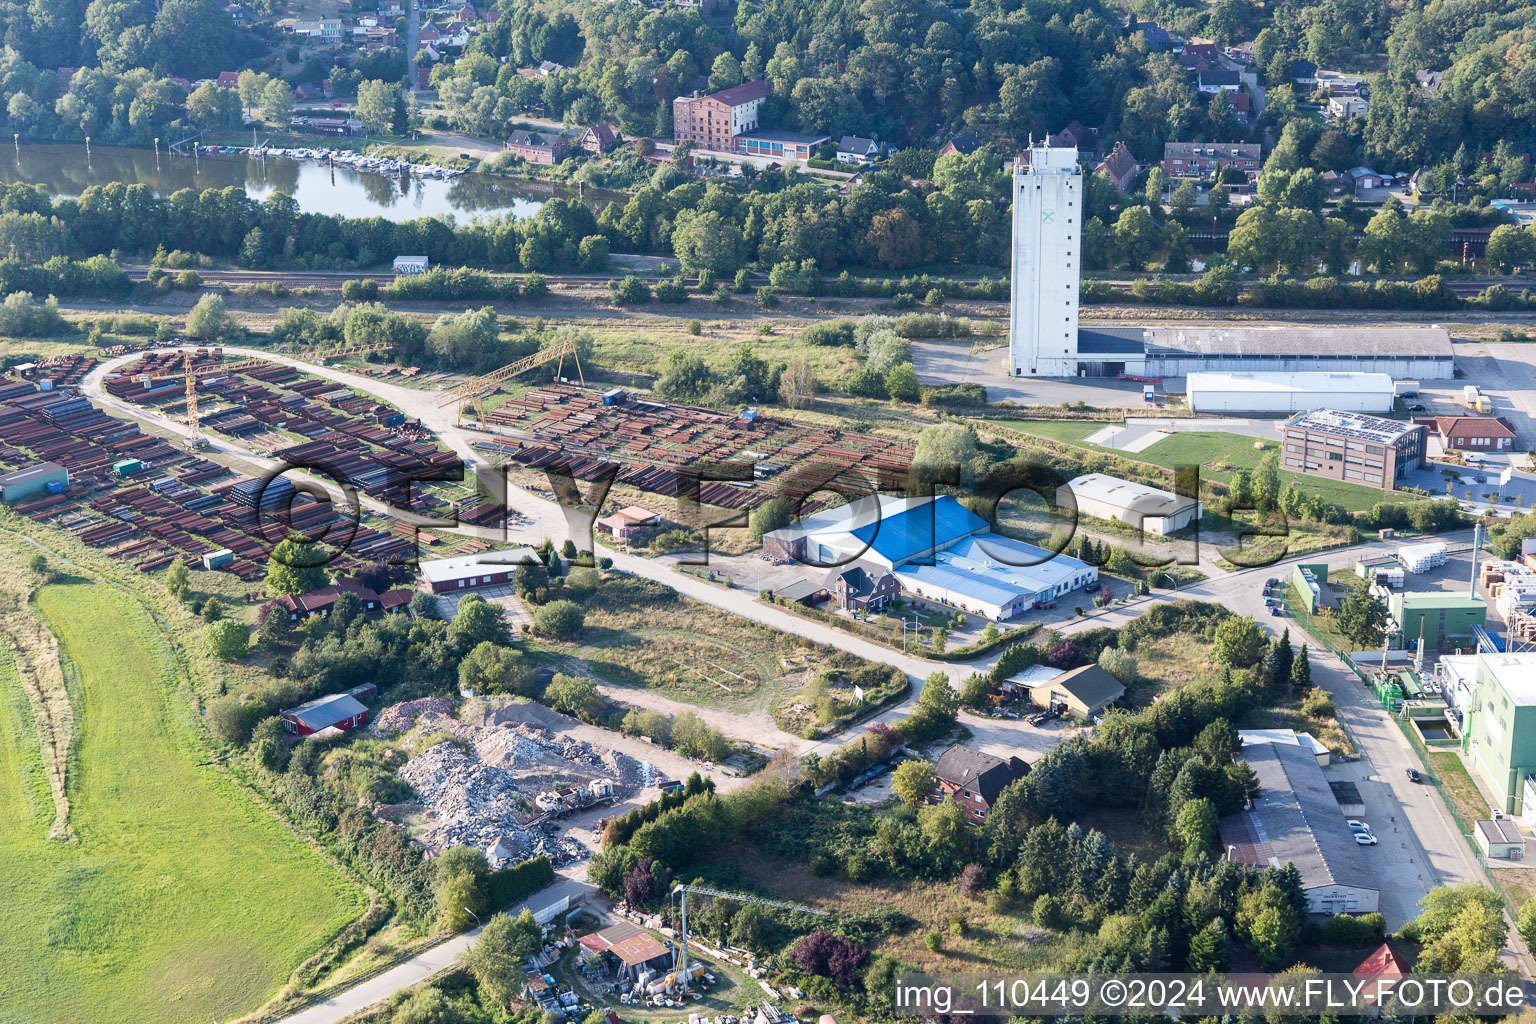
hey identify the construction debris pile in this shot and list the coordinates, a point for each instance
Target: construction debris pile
(502, 784)
(402, 717)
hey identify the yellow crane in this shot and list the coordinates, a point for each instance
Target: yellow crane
(195, 438)
(478, 388)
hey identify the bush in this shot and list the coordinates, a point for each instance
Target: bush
(558, 619)
(902, 384)
(629, 292)
(767, 297)
(673, 291)
(935, 297)
(227, 639)
(535, 287)
(366, 290)
(829, 332)
(233, 716)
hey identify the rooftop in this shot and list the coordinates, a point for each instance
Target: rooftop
(744, 93)
(1500, 830)
(1515, 674)
(1090, 684)
(443, 570)
(1343, 342)
(1289, 382)
(1125, 494)
(21, 476)
(1296, 819)
(777, 135)
(326, 711)
(1355, 425)
(964, 766)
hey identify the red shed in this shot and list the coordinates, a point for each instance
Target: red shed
(341, 710)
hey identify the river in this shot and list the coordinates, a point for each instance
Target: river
(64, 169)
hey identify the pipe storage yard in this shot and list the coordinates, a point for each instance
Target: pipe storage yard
(1285, 393)
(177, 503)
(655, 444)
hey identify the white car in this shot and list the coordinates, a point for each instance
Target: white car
(1365, 839)
(1357, 826)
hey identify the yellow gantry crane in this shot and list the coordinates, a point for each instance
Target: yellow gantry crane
(476, 389)
(195, 436)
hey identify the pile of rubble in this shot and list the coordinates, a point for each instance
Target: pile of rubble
(402, 717)
(500, 785)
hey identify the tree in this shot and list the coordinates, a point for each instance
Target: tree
(1196, 825)
(1510, 247)
(208, 319)
(1210, 949)
(491, 668)
(773, 514)
(297, 566)
(1301, 672)
(902, 385)
(1266, 483)
(1239, 642)
(798, 384)
(460, 890)
(476, 622)
(576, 696)
(277, 103)
(178, 582)
(399, 115)
(1136, 237)
(496, 958)
(227, 639)
(1119, 662)
(1361, 619)
(705, 240)
(913, 782)
(829, 955)
(376, 104)
(558, 619)
(725, 72)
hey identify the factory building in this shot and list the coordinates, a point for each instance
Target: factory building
(1151, 509)
(33, 482)
(1501, 727)
(1353, 447)
(1413, 353)
(1285, 393)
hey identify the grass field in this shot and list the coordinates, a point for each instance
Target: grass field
(1217, 453)
(181, 900)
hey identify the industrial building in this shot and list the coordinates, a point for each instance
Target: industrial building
(938, 550)
(1401, 352)
(1047, 242)
(1084, 692)
(1500, 726)
(1296, 819)
(32, 482)
(1286, 393)
(1150, 509)
(468, 572)
(1353, 447)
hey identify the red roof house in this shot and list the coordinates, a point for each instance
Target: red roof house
(1379, 972)
(1472, 433)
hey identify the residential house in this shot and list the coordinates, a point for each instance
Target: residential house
(1075, 135)
(1241, 105)
(455, 34)
(600, 138)
(1082, 692)
(1302, 72)
(340, 711)
(427, 34)
(1214, 80)
(547, 148)
(863, 587)
(319, 602)
(1158, 39)
(1120, 166)
(706, 8)
(1341, 107)
(465, 13)
(228, 80)
(1202, 159)
(380, 38)
(1199, 49)
(714, 121)
(975, 779)
(1336, 184)
(391, 8)
(965, 144)
(1472, 433)
(627, 522)
(1339, 83)
(855, 150)
(549, 67)
(1430, 81)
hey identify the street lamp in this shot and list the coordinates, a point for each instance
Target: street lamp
(474, 915)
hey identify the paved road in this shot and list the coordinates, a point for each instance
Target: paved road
(430, 963)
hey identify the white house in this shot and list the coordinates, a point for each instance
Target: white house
(854, 150)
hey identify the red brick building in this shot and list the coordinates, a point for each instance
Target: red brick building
(1472, 433)
(545, 148)
(975, 779)
(713, 121)
(1201, 159)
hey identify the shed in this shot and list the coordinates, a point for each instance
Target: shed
(127, 467)
(341, 710)
(215, 559)
(1086, 691)
(1499, 839)
(45, 477)
(412, 264)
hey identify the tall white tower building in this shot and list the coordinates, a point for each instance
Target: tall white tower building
(1047, 248)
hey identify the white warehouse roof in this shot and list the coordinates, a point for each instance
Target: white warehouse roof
(1128, 495)
(1290, 382)
(447, 570)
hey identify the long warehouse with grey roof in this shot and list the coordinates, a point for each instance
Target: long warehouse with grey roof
(1418, 353)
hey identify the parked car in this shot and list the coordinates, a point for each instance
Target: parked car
(1357, 826)
(1272, 582)
(1365, 839)
(1413, 775)
(1276, 611)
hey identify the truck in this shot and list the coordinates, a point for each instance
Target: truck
(1469, 395)
(1483, 404)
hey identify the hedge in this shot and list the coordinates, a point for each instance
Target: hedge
(516, 883)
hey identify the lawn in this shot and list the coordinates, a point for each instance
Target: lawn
(181, 900)
(1217, 453)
